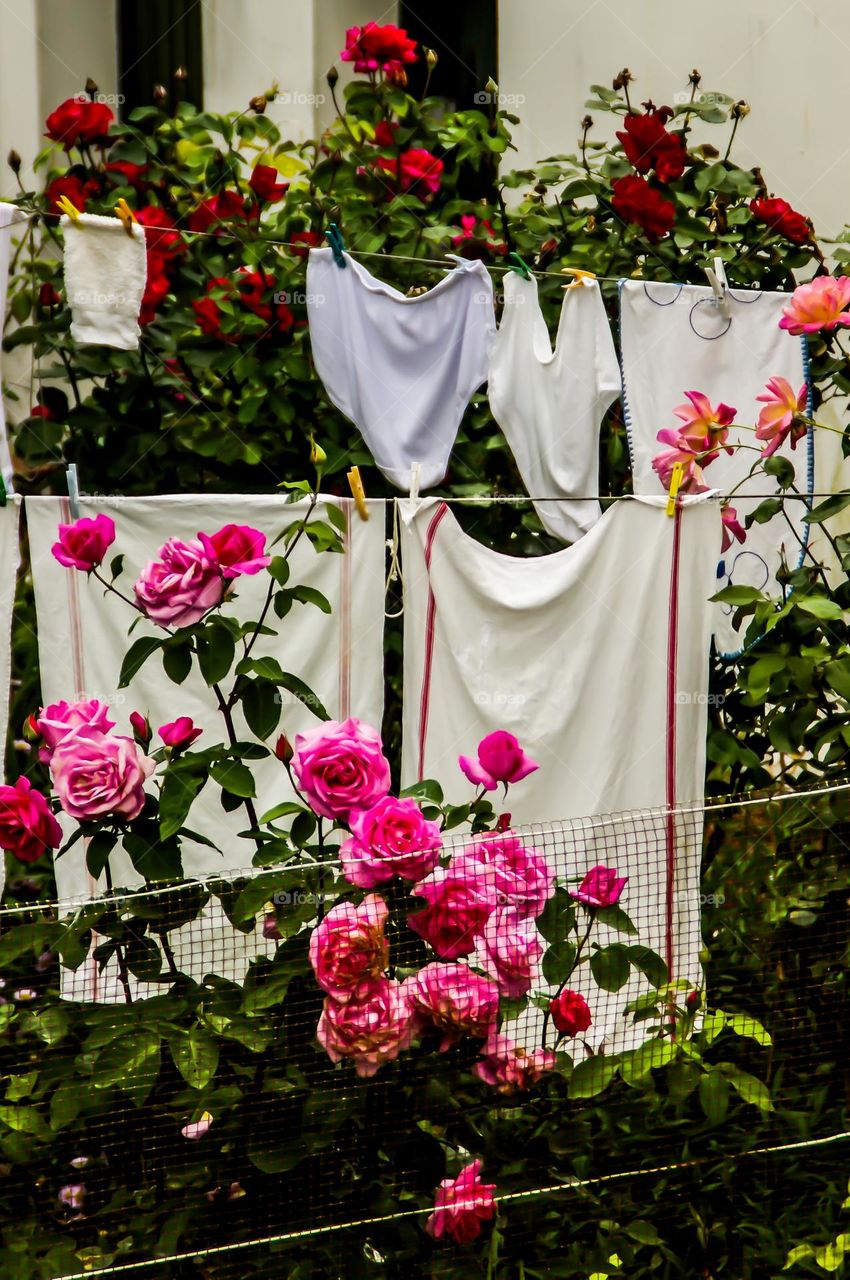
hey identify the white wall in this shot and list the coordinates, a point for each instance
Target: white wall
(787, 58)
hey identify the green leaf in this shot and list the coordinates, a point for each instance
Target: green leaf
(649, 962)
(177, 659)
(235, 777)
(833, 505)
(743, 1025)
(558, 961)
(279, 570)
(652, 1053)
(617, 919)
(143, 958)
(261, 706)
(309, 595)
(136, 657)
(98, 850)
(304, 694)
(216, 651)
(591, 1076)
(130, 1063)
(818, 606)
(66, 1104)
(283, 810)
(782, 469)
(180, 785)
(642, 1231)
(838, 676)
(739, 595)
(714, 1096)
(25, 1120)
(195, 1056)
(749, 1088)
(610, 967)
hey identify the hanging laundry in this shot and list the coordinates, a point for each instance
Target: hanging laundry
(9, 560)
(105, 273)
(550, 404)
(10, 214)
(596, 659)
(82, 639)
(674, 339)
(402, 369)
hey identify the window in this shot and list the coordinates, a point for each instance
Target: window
(465, 38)
(154, 39)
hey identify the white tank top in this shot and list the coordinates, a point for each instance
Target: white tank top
(402, 369)
(549, 404)
(596, 658)
(673, 340)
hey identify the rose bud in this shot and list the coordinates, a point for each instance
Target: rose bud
(91, 88)
(283, 749)
(142, 731)
(332, 76)
(14, 161)
(259, 104)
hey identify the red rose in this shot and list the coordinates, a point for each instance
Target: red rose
(161, 234)
(265, 184)
(648, 145)
(385, 134)
(47, 295)
(253, 287)
(308, 239)
(126, 174)
(157, 285)
(68, 184)
(208, 314)
(375, 48)
(420, 171)
(779, 216)
(27, 825)
(570, 1013)
(227, 206)
(634, 200)
(77, 121)
(283, 317)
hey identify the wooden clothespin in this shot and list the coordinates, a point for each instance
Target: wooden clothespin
(73, 482)
(675, 485)
(415, 474)
(358, 493)
(70, 210)
(580, 276)
(126, 215)
(716, 277)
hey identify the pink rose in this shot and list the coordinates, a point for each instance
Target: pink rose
(570, 1013)
(390, 839)
(509, 950)
(98, 774)
(83, 544)
(461, 1205)
(27, 825)
(341, 766)
(453, 999)
(179, 733)
(601, 887)
(372, 1030)
(500, 759)
(821, 303)
(348, 950)
(238, 549)
(731, 527)
(59, 718)
(508, 1067)
(459, 900)
(198, 1127)
(520, 876)
(179, 588)
(783, 415)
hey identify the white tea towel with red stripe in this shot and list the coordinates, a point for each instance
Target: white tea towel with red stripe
(83, 638)
(596, 659)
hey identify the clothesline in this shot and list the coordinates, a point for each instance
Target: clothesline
(495, 499)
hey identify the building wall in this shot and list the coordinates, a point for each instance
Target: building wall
(787, 59)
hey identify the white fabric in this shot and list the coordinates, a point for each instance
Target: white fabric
(571, 652)
(663, 357)
(9, 215)
(105, 272)
(402, 369)
(83, 638)
(9, 561)
(550, 404)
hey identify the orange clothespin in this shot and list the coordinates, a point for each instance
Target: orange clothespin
(70, 210)
(126, 215)
(358, 493)
(580, 276)
(675, 485)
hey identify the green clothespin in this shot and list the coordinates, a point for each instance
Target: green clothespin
(518, 265)
(337, 244)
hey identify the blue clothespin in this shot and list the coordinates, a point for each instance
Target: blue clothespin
(337, 244)
(519, 265)
(73, 490)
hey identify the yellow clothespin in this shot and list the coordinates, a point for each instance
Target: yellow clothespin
(675, 485)
(358, 493)
(70, 210)
(125, 213)
(580, 276)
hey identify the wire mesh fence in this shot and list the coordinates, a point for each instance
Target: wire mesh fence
(179, 1100)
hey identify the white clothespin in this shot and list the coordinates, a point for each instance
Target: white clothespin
(415, 472)
(719, 287)
(73, 481)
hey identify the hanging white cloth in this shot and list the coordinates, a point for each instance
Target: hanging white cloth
(674, 339)
(596, 658)
(10, 214)
(82, 637)
(402, 369)
(9, 561)
(105, 273)
(550, 404)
